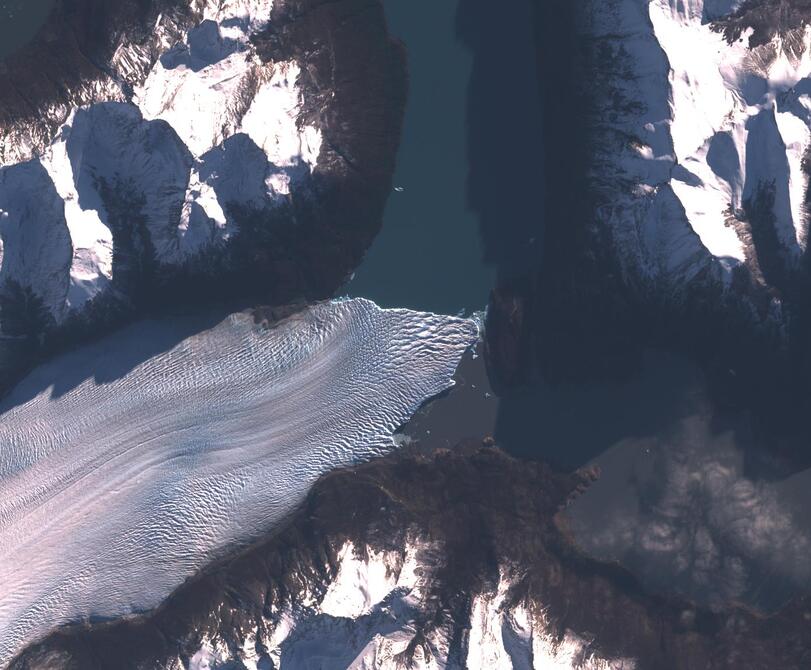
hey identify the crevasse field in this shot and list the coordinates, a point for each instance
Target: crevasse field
(116, 486)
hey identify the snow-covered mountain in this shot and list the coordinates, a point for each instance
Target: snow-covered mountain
(209, 149)
(241, 147)
(704, 145)
(210, 125)
(371, 614)
(676, 142)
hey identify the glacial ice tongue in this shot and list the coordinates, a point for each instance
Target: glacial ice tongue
(113, 490)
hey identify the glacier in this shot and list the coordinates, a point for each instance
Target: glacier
(123, 472)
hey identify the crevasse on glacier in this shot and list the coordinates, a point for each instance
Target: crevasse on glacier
(117, 487)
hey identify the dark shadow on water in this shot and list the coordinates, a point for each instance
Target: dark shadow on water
(505, 186)
(19, 22)
(571, 424)
(588, 377)
(586, 385)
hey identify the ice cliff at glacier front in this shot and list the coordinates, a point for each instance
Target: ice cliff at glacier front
(704, 141)
(114, 489)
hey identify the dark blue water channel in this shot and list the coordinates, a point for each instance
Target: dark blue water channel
(429, 254)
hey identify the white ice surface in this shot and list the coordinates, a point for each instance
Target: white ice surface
(114, 489)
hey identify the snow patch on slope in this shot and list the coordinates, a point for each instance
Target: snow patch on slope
(212, 654)
(200, 88)
(213, 86)
(700, 107)
(241, 15)
(517, 638)
(35, 239)
(131, 171)
(632, 177)
(721, 88)
(361, 582)
(92, 240)
(271, 121)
